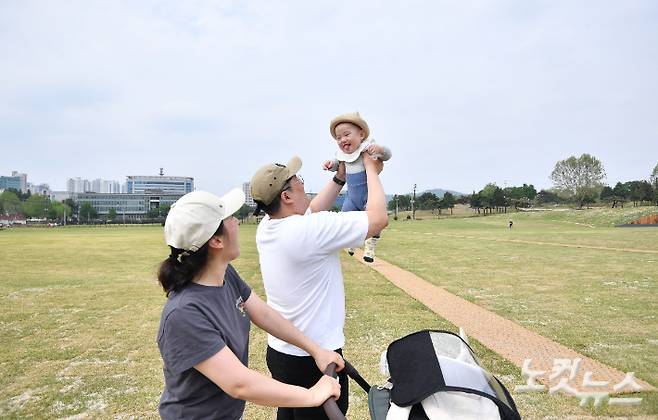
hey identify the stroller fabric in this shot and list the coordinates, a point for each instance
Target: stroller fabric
(435, 373)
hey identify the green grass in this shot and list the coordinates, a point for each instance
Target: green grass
(81, 307)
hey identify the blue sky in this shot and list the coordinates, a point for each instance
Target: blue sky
(463, 93)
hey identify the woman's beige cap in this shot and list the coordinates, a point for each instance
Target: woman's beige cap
(195, 217)
(354, 118)
(268, 181)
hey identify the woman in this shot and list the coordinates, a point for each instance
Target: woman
(204, 329)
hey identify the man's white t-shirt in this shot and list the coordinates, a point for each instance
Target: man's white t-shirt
(300, 264)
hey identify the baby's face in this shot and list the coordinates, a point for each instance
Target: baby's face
(349, 137)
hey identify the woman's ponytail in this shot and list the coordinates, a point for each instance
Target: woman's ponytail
(180, 268)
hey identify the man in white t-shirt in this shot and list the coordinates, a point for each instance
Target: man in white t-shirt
(298, 244)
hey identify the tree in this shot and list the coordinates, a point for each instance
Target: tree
(547, 197)
(391, 204)
(475, 201)
(404, 202)
(579, 178)
(163, 210)
(427, 201)
(244, 212)
(153, 213)
(21, 196)
(36, 206)
(492, 196)
(87, 212)
(57, 211)
(73, 208)
(112, 214)
(607, 195)
(653, 178)
(448, 201)
(10, 202)
(639, 191)
(621, 194)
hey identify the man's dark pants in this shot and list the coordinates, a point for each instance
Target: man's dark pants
(302, 371)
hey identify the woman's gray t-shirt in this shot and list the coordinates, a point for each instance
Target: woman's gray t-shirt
(196, 323)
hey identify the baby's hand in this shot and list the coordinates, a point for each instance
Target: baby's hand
(327, 165)
(375, 150)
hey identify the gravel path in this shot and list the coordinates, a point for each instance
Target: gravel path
(510, 340)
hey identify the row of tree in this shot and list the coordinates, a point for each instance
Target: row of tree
(426, 201)
(577, 180)
(581, 180)
(32, 205)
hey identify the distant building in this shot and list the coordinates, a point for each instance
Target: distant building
(23, 180)
(137, 184)
(59, 195)
(129, 207)
(10, 182)
(78, 185)
(41, 189)
(249, 200)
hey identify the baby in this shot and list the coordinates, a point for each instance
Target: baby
(351, 132)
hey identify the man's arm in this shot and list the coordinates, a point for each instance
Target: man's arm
(327, 196)
(376, 209)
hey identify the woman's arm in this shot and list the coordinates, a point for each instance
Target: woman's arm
(271, 321)
(240, 382)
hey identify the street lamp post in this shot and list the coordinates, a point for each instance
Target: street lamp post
(413, 204)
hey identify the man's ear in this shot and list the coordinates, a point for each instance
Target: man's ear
(216, 242)
(285, 196)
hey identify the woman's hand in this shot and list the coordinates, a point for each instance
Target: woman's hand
(327, 165)
(324, 357)
(327, 387)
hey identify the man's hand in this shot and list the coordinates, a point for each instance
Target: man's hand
(324, 357)
(327, 165)
(375, 150)
(340, 173)
(371, 162)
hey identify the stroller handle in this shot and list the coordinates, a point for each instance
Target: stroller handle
(330, 406)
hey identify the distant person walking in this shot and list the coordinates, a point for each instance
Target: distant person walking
(204, 329)
(511, 223)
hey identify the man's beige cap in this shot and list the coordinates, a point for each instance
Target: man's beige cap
(268, 181)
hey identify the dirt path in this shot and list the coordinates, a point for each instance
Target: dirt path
(510, 340)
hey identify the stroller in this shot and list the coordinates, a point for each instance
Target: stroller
(433, 375)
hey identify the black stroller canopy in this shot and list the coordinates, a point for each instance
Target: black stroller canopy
(439, 363)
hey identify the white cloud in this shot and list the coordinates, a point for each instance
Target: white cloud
(463, 93)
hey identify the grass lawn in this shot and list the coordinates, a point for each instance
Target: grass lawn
(81, 308)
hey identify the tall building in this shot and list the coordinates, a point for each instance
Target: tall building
(110, 187)
(23, 180)
(78, 185)
(137, 184)
(10, 182)
(249, 200)
(96, 185)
